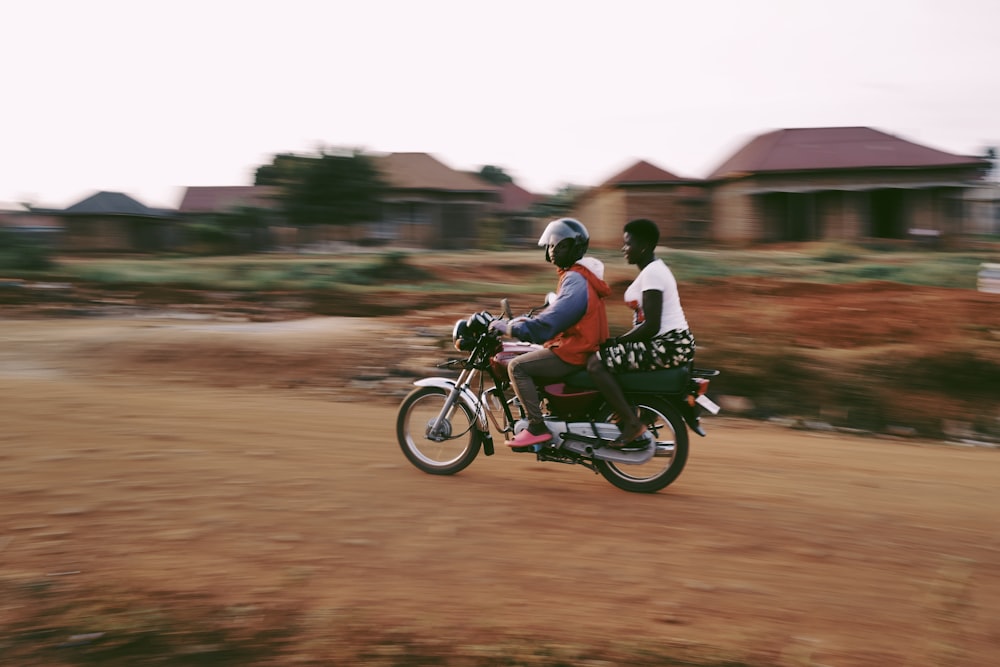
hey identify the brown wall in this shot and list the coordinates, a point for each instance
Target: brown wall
(733, 213)
(841, 206)
(95, 235)
(438, 219)
(603, 213)
(680, 211)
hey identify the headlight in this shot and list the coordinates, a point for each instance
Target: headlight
(479, 322)
(460, 337)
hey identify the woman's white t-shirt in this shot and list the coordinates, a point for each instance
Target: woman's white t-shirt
(657, 275)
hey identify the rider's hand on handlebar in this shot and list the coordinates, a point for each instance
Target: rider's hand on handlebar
(500, 326)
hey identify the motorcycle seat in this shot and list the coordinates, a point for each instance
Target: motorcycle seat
(667, 381)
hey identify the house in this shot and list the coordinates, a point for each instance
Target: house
(982, 209)
(426, 204)
(27, 223)
(429, 204)
(113, 222)
(643, 190)
(843, 183)
(515, 211)
(254, 207)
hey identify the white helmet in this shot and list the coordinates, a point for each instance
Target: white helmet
(565, 228)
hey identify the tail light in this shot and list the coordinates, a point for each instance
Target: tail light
(699, 389)
(699, 397)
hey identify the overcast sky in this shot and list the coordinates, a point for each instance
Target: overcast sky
(146, 97)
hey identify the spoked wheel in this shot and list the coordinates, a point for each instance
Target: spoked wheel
(671, 435)
(444, 451)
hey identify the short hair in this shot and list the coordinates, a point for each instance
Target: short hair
(643, 230)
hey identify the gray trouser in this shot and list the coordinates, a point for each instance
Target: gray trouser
(538, 365)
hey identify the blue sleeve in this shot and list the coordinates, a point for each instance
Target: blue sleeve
(569, 308)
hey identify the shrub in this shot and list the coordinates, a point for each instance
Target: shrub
(492, 234)
(392, 266)
(970, 375)
(837, 255)
(212, 237)
(19, 253)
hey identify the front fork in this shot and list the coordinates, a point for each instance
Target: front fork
(459, 390)
(437, 429)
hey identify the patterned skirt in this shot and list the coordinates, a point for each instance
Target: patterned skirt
(668, 350)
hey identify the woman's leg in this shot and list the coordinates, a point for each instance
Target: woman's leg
(631, 426)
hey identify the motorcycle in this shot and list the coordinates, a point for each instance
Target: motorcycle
(444, 423)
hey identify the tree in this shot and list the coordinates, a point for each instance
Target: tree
(283, 170)
(559, 203)
(990, 155)
(495, 175)
(20, 253)
(336, 187)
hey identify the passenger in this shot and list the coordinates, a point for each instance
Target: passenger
(659, 337)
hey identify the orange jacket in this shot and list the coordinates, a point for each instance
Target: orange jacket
(576, 343)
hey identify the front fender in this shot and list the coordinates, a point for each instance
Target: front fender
(470, 400)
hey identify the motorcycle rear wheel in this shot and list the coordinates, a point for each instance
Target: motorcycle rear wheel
(458, 443)
(671, 435)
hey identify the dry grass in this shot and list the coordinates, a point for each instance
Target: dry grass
(53, 623)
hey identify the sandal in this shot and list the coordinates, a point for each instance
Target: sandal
(631, 440)
(527, 439)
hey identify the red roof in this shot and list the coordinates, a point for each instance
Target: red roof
(642, 172)
(808, 149)
(514, 198)
(218, 199)
(420, 171)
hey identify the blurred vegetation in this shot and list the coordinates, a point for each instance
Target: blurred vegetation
(831, 263)
(495, 175)
(493, 234)
(250, 274)
(239, 231)
(59, 625)
(20, 253)
(560, 203)
(816, 263)
(337, 186)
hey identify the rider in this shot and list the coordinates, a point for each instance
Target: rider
(571, 327)
(659, 338)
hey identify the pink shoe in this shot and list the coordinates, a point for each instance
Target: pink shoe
(528, 439)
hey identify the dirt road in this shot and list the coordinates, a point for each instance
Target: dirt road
(775, 547)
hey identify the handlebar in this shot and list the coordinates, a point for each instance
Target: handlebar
(508, 314)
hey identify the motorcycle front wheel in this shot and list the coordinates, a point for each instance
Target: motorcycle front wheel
(452, 447)
(671, 435)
